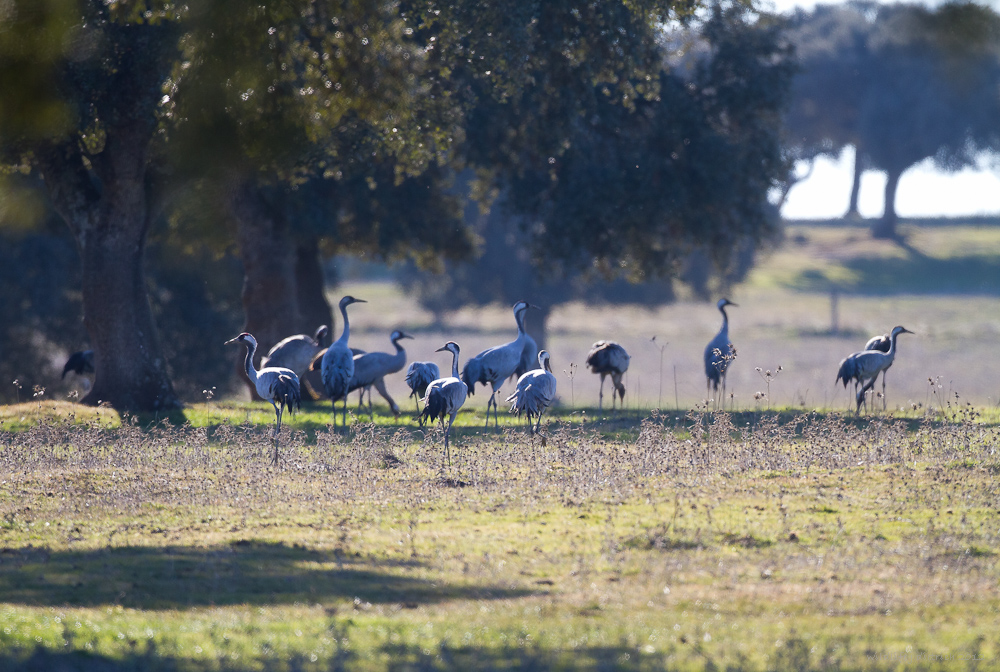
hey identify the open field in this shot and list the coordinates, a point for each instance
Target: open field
(701, 543)
(944, 284)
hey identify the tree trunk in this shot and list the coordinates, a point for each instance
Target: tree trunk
(886, 227)
(110, 228)
(536, 324)
(852, 208)
(270, 304)
(310, 286)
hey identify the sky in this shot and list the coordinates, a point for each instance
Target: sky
(923, 191)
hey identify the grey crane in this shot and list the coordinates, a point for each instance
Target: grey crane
(296, 353)
(719, 354)
(338, 363)
(278, 385)
(497, 364)
(609, 359)
(79, 363)
(882, 344)
(535, 392)
(445, 396)
(865, 366)
(370, 368)
(418, 376)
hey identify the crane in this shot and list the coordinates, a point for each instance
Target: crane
(278, 385)
(864, 367)
(534, 393)
(418, 376)
(371, 367)
(609, 358)
(719, 354)
(79, 363)
(338, 363)
(296, 352)
(498, 363)
(445, 396)
(882, 344)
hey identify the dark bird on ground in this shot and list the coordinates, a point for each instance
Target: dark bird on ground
(418, 376)
(609, 359)
(535, 392)
(79, 363)
(278, 385)
(864, 367)
(370, 368)
(445, 396)
(338, 364)
(719, 354)
(497, 364)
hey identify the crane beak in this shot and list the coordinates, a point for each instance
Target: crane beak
(405, 335)
(359, 301)
(232, 340)
(442, 348)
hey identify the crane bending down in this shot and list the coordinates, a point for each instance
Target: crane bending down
(418, 376)
(278, 385)
(338, 364)
(535, 392)
(863, 367)
(609, 358)
(719, 354)
(371, 367)
(498, 363)
(445, 396)
(296, 353)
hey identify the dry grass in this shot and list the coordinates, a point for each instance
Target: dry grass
(808, 544)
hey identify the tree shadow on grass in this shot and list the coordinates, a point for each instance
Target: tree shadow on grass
(244, 572)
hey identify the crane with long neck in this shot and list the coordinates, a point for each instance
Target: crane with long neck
(497, 364)
(865, 366)
(338, 363)
(276, 384)
(445, 396)
(719, 354)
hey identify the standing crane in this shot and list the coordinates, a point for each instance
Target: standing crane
(535, 391)
(296, 352)
(609, 359)
(338, 363)
(278, 385)
(864, 367)
(418, 376)
(719, 354)
(882, 344)
(371, 367)
(445, 396)
(498, 363)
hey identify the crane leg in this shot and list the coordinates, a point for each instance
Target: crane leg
(883, 391)
(600, 395)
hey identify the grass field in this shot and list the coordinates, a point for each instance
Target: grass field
(795, 538)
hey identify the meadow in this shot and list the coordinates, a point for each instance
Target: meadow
(786, 535)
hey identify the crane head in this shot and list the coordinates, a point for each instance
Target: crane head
(243, 338)
(900, 330)
(397, 335)
(348, 300)
(450, 346)
(321, 334)
(726, 302)
(543, 360)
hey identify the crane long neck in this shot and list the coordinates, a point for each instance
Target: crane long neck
(454, 364)
(251, 372)
(346, 333)
(725, 321)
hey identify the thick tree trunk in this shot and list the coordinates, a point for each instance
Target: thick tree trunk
(852, 207)
(267, 251)
(886, 227)
(110, 227)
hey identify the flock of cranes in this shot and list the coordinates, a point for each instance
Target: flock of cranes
(344, 370)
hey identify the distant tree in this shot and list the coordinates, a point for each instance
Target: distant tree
(902, 83)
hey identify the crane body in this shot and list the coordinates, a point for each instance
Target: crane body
(445, 396)
(418, 376)
(609, 359)
(865, 366)
(370, 368)
(535, 392)
(338, 363)
(719, 354)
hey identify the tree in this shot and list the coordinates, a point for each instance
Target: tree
(902, 83)
(637, 192)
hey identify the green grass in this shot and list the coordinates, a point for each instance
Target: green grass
(797, 544)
